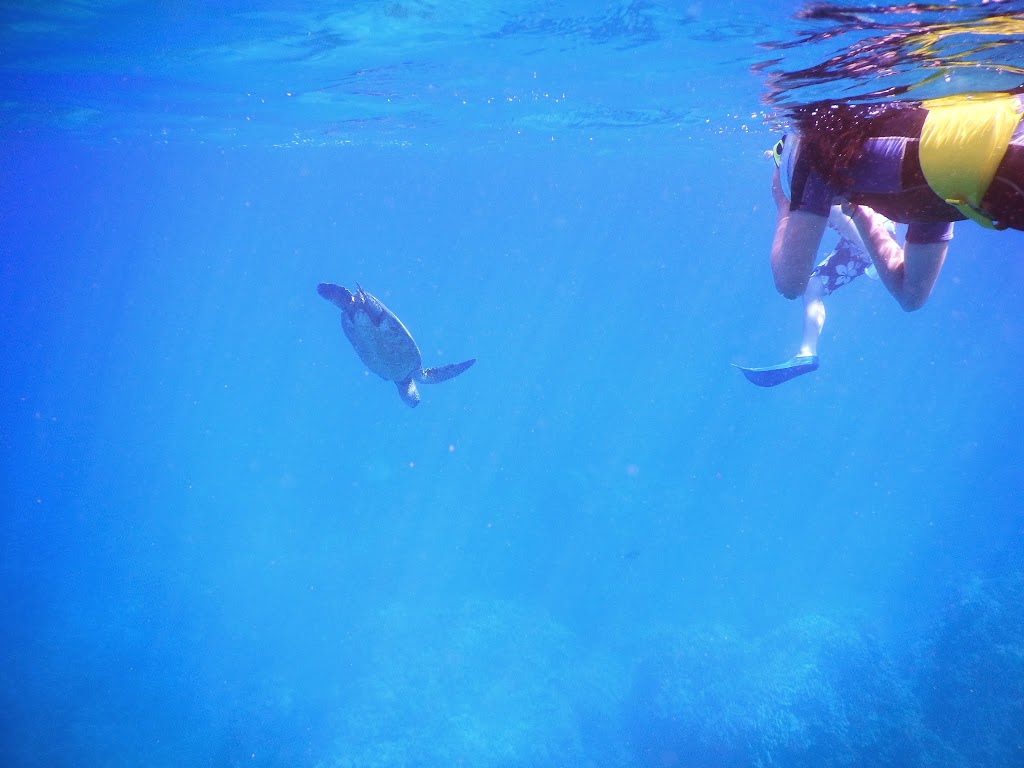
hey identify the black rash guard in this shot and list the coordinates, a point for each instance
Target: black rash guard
(887, 178)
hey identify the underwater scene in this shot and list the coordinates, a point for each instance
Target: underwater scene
(401, 383)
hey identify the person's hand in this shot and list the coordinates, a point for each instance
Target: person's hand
(869, 215)
(777, 194)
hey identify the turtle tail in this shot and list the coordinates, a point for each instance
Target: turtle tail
(443, 372)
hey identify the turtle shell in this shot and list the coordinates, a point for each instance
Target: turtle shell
(383, 344)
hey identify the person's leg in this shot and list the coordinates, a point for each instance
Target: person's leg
(814, 316)
(806, 359)
(844, 264)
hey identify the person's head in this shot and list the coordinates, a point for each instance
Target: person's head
(834, 133)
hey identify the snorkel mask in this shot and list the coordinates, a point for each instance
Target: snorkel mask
(784, 154)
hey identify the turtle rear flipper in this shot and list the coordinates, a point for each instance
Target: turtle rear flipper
(408, 392)
(443, 372)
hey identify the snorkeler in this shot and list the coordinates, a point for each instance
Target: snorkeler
(924, 164)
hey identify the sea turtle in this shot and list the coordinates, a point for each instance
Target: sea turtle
(383, 343)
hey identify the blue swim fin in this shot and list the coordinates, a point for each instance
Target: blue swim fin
(776, 374)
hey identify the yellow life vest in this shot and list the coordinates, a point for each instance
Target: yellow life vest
(962, 143)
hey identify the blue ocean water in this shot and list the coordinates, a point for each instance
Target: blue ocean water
(226, 543)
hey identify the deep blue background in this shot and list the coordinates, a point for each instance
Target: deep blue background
(225, 543)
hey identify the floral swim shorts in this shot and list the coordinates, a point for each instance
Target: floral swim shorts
(843, 265)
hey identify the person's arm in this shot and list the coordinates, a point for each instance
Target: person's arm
(845, 228)
(797, 237)
(909, 273)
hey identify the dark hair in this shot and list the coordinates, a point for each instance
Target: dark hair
(833, 134)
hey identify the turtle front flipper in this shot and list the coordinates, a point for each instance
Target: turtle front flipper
(408, 392)
(443, 372)
(340, 297)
